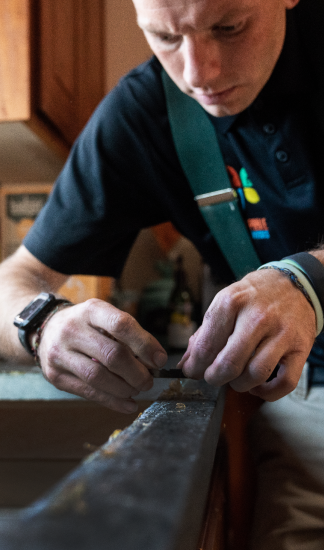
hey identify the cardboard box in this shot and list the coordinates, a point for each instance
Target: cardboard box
(19, 206)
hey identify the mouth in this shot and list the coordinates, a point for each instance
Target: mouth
(214, 98)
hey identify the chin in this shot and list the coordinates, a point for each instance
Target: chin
(234, 107)
(225, 110)
(219, 110)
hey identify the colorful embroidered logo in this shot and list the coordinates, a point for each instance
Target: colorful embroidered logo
(259, 228)
(244, 187)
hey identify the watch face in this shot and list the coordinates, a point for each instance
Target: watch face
(29, 311)
(33, 309)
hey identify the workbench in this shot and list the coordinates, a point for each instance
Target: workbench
(145, 488)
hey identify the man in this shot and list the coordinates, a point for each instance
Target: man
(237, 60)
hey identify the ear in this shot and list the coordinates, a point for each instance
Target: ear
(291, 4)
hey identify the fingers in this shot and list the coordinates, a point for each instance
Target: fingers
(126, 330)
(91, 380)
(188, 352)
(97, 376)
(70, 383)
(79, 356)
(249, 370)
(253, 376)
(286, 381)
(112, 356)
(249, 328)
(259, 366)
(210, 339)
(249, 357)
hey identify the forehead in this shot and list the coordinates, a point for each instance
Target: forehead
(187, 5)
(180, 4)
(153, 11)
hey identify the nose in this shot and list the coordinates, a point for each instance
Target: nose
(202, 64)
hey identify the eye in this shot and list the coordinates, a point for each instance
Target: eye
(167, 38)
(228, 30)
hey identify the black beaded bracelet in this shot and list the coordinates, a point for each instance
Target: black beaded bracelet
(39, 332)
(293, 278)
(301, 281)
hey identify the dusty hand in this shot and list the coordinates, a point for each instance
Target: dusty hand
(249, 328)
(100, 353)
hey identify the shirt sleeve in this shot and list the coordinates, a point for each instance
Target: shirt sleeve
(106, 193)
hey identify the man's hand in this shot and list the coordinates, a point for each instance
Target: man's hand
(100, 353)
(249, 328)
(92, 349)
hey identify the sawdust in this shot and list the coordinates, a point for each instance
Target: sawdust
(114, 435)
(71, 498)
(177, 390)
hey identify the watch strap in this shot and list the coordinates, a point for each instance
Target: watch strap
(23, 336)
(24, 333)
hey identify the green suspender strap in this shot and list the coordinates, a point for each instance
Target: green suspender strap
(201, 159)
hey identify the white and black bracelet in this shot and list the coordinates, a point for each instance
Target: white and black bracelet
(312, 268)
(302, 282)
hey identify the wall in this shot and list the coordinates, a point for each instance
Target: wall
(126, 46)
(24, 157)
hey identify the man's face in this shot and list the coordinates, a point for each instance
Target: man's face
(220, 52)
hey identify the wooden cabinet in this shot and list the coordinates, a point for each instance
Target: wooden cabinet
(14, 60)
(71, 62)
(59, 58)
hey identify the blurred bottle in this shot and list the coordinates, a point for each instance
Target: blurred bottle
(181, 324)
(153, 313)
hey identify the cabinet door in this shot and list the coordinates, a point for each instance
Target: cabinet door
(71, 62)
(14, 60)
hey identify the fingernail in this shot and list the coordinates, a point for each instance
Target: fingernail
(130, 406)
(147, 386)
(183, 360)
(160, 359)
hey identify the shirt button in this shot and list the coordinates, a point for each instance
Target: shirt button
(269, 128)
(282, 156)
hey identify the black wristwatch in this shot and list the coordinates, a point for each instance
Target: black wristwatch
(33, 315)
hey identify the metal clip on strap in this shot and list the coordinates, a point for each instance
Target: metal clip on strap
(216, 197)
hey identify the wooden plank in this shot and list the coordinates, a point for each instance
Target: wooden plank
(14, 60)
(145, 489)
